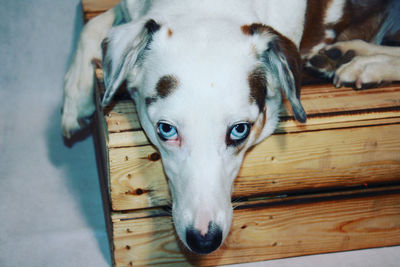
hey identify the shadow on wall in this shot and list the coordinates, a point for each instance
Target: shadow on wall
(79, 164)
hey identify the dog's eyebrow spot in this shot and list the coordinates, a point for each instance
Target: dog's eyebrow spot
(258, 84)
(166, 85)
(170, 32)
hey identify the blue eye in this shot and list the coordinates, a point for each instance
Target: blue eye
(166, 131)
(238, 133)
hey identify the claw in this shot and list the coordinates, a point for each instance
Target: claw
(359, 84)
(337, 82)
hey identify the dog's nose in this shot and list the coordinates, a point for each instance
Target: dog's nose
(204, 244)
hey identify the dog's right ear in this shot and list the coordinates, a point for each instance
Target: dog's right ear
(282, 63)
(123, 49)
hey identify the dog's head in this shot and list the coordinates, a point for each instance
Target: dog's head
(204, 95)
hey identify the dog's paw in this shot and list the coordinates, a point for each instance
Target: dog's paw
(76, 115)
(365, 72)
(328, 60)
(78, 102)
(355, 63)
(72, 122)
(359, 48)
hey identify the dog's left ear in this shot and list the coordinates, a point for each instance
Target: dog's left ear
(282, 63)
(123, 50)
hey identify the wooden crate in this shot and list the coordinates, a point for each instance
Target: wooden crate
(332, 184)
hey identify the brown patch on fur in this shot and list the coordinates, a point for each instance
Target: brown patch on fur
(365, 30)
(166, 85)
(260, 124)
(314, 28)
(292, 55)
(361, 20)
(258, 87)
(246, 29)
(255, 28)
(170, 32)
(284, 45)
(96, 63)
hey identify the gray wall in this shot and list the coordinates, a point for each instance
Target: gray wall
(50, 205)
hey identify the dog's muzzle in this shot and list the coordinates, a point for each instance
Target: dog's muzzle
(204, 243)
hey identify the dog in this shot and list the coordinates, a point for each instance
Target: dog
(207, 78)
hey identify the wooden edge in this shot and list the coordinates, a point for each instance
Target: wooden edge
(100, 139)
(93, 8)
(270, 230)
(274, 200)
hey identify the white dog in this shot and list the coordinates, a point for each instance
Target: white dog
(206, 77)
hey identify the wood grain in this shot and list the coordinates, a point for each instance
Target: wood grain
(283, 163)
(327, 107)
(267, 232)
(92, 8)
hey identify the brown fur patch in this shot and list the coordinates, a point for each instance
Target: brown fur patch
(285, 58)
(360, 20)
(365, 30)
(166, 85)
(258, 84)
(170, 32)
(260, 124)
(285, 46)
(255, 28)
(314, 29)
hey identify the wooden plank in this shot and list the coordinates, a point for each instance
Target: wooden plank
(98, 6)
(122, 117)
(282, 163)
(132, 138)
(92, 8)
(267, 232)
(327, 107)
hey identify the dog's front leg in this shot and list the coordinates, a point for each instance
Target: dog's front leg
(78, 103)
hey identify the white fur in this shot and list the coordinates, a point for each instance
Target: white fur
(373, 64)
(78, 84)
(212, 95)
(334, 12)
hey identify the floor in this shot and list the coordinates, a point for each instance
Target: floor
(50, 211)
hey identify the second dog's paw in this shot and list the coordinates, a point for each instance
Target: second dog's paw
(363, 72)
(359, 48)
(327, 61)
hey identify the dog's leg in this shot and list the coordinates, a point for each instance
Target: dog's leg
(78, 103)
(372, 64)
(368, 71)
(358, 63)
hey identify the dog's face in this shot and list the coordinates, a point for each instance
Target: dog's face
(204, 95)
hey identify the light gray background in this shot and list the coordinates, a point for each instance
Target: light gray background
(50, 205)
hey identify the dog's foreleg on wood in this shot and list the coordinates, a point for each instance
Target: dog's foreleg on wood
(78, 102)
(357, 63)
(372, 64)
